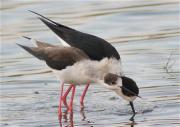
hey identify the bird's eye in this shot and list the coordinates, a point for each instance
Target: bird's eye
(113, 82)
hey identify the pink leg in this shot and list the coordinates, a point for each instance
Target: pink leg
(65, 95)
(70, 108)
(71, 119)
(83, 95)
(60, 102)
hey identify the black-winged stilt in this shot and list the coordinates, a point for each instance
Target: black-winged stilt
(90, 59)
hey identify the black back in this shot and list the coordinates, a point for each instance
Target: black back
(96, 48)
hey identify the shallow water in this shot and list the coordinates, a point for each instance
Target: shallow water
(145, 33)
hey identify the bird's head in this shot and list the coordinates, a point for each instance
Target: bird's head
(124, 86)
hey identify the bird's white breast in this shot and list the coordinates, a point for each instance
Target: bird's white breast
(87, 71)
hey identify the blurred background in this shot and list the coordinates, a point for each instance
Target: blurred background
(145, 33)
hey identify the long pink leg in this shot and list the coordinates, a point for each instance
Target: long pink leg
(60, 102)
(65, 95)
(83, 95)
(70, 107)
(71, 119)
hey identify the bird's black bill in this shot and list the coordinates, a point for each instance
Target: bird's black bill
(130, 91)
(134, 113)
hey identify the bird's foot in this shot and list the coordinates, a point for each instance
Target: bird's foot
(132, 117)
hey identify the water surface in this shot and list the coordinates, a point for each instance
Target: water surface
(145, 33)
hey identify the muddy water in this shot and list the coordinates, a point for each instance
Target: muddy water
(145, 33)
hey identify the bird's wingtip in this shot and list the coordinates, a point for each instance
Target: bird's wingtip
(41, 17)
(22, 46)
(17, 44)
(26, 37)
(31, 11)
(36, 13)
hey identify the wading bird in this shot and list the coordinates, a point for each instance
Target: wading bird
(83, 59)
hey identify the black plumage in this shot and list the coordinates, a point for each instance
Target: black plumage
(129, 87)
(96, 48)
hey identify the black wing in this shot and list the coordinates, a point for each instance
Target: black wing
(96, 48)
(57, 57)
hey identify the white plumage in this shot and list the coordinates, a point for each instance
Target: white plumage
(88, 70)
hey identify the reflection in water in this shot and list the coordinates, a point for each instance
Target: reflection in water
(131, 123)
(151, 32)
(69, 119)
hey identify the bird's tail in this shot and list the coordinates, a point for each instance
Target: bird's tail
(35, 51)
